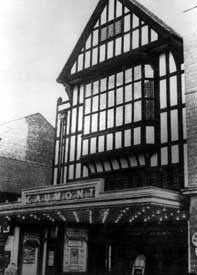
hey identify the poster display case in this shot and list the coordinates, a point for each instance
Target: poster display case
(30, 253)
(75, 250)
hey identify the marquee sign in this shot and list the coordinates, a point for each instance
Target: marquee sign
(62, 193)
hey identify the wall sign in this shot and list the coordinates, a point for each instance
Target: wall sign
(64, 192)
(72, 194)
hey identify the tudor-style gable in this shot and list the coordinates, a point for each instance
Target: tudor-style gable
(118, 31)
(125, 113)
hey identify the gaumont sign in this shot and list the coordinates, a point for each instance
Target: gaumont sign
(63, 193)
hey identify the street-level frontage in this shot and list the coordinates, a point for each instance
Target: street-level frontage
(79, 228)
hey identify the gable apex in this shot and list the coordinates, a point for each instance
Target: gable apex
(107, 23)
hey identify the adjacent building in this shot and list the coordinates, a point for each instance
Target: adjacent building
(120, 167)
(26, 157)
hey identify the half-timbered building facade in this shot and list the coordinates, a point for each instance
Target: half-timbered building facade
(115, 204)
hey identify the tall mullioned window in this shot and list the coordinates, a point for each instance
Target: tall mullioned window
(117, 104)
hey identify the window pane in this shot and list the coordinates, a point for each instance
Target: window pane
(95, 56)
(111, 98)
(111, 83)
(149, 109)
(135, 40)
(117, 27)
(172, 63)
(102, 101)
(137, 90)
(118, 140)
(95, 87)
(127, 138)
(87, 106)
(101, 144)
(103, 33)
(78, 147)
(88, 90)
(74, 120)
(85, 147)
(75, 95)
(87, 59)
(118, 9)
(110, 49)
(102, 53)
(95, 104)
(85, 171)
(150, 135)
(104, 16)
(137, 136)
(102, 120)
(149, 71)
(144, 35)
(175, 154)
(127, 42)
(173, 90)
(95, 37)
(154, 35)
(119, 116)
(78, 170)
(80, 62)
(162, 64)
(137, 72)
(128, 113)
(81, 95)
(174, 125)
(111, 9)
(94, 122)
(103, 84)
(119, 79)
(93, 145)
(72, 148)
(135, 21)
(88, 42)
(164, 156)
(149, 89)
(127, 23)
(110, 118)
(128, 93)
(137, 111)
(164, 128)
(118, 46)
(119, 96)
(109, 141)
(87, 125)
(80, 118)
(110, 30)
(71, 171)
(163, 95)
(128, 75)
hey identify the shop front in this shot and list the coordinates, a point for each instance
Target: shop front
(79, 229)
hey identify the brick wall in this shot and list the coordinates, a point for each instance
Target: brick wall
(26, 153)
(16, 175)
(190, 56)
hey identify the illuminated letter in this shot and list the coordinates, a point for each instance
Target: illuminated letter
(68, 195)
(80, 194)
(57, 196)
(91, 192)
